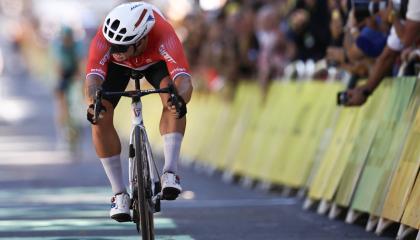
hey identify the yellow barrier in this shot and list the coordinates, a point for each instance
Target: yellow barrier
(265, 138)
(240, 163)
(235, 125)
(213, 108)
(243, 131)
(411, 215)
(333, 155)
(385, 150)
(195, 125)
(367, 158)
(407, 170)
(285, 115)
(361, 147)
(314, 118)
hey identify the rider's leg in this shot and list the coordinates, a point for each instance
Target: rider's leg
(171, 128)
(104, 135)
(108, 148)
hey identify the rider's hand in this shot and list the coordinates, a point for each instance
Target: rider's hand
(182, 107)
(90, 113)
(358, 96)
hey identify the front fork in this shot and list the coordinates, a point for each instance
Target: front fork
(156, 186)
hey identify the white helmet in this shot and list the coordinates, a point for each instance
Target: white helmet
(128, 23)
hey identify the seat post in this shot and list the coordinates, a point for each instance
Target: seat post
(136, 76)
(137, 83)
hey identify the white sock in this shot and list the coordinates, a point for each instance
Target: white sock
(113, 170)
(171, 149)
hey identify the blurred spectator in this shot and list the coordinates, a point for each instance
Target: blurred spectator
(195, 26)
(273, 55)
(308, 29)
(412, 27)
(68, 55)
(248, 45)
(353, 41)
(384, 64)
(219, 53)
(336, 28)
(364, 40)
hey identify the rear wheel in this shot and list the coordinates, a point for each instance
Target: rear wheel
(144, 189)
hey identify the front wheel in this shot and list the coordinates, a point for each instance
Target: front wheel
(144, 189)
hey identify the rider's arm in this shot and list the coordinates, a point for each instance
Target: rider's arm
(383, 65)
(172, 52)
(359, 95)
(97, 65)
(92, 83)
(184, 86)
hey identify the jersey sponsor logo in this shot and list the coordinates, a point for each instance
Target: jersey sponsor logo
(178, 70)
(98, 70)
(137, 112)
(105, 58)
(165, 54)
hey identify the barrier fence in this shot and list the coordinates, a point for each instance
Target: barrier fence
(358, 161)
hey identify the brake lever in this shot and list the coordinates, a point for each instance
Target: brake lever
(174, 97)
(97, 105)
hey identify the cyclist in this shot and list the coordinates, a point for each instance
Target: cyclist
(137, 36)
(67, 55)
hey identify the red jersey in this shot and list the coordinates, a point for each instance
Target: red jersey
(163, 44)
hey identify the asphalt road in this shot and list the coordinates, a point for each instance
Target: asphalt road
(47, 194)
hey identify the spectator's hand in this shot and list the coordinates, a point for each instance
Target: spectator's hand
(409, 54)
(357, 96)
(387, 13)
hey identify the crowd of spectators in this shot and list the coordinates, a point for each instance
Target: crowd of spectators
(290, 39)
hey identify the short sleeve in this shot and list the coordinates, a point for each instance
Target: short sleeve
(413, 10)
(172, 52)
(99, 56)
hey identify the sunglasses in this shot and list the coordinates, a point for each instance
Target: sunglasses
(119, 48)
(115, 48)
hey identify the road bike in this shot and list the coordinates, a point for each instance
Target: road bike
(145, 184)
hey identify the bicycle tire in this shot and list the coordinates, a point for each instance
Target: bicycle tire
(145, 204)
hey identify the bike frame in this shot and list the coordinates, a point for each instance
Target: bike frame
(137, 120)
(151, 173)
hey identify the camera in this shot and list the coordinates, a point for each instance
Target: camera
(367, 8)
(342, 98)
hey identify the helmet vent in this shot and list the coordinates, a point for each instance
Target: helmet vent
(129, 38)
(128, 23)
(115, 25)
(123, 31)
